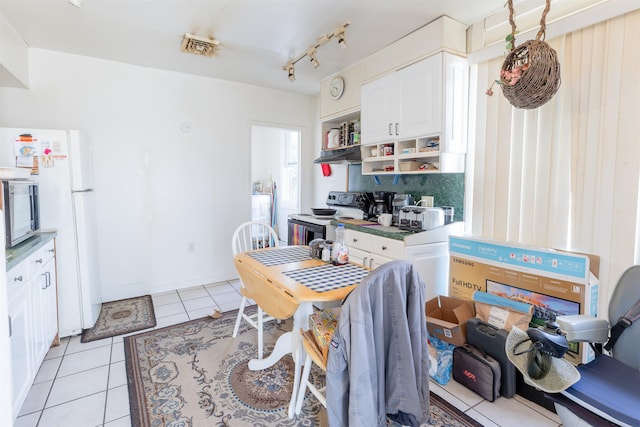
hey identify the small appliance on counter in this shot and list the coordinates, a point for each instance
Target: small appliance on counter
(399, 201)
(448, 214)
(382, 204)
(420, 218)
(19, 202)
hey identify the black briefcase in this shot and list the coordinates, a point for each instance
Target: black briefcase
(477, 371)
(492, 340)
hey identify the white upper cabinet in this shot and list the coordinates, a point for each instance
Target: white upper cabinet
(417, 118)
(418, 99)
(426, 98)
(403, 104)
(377, 110)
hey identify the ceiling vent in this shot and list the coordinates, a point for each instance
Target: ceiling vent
(199, 45)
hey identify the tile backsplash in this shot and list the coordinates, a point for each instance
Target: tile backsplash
(447, 189)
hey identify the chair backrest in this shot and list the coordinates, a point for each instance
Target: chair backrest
(382, 334)
(625, 295)
(253, 235)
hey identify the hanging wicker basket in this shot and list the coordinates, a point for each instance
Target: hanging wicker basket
(530, 74)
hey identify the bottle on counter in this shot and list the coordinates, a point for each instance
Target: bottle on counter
(340, 251)
(326, 251)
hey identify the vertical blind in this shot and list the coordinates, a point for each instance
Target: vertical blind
(565, 175)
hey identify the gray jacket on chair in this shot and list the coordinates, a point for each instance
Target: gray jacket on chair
(378, 358)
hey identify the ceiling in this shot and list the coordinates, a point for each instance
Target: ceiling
(257, 37)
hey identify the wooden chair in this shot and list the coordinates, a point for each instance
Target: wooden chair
(249, 236)
(316, 341)
(313, 354)
(400, 280)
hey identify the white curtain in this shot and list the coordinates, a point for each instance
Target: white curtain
(565, 175)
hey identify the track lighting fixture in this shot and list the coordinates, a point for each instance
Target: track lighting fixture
(338, 33)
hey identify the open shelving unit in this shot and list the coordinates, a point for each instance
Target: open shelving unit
(410, 156)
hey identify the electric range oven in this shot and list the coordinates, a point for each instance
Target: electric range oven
(304, 227)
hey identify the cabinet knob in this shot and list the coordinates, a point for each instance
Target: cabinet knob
(52, 250)
(384, 248)
(354, 240)
(39, 261)
(397, 129)
(390, 131)
(17, 279)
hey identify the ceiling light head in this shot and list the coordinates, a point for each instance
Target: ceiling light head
(291, 72)
(199, 45)
(339, 34)
(312, 54)
(341, 41)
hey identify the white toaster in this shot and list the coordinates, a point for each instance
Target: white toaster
(419, 218)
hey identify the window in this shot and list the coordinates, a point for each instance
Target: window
(291, 158)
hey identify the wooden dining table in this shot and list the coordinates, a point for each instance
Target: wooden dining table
(285, 282)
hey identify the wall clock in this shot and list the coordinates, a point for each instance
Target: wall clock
(336, 87)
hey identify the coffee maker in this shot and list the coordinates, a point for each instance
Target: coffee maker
(381, 204)
(398, 202)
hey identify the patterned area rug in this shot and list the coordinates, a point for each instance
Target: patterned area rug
(122, 317)
(196, 374)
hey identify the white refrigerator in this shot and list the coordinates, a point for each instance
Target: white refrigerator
(67, 205)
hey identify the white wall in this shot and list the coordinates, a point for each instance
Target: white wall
(157, 186)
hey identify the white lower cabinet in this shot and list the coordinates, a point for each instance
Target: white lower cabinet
(431, 260)
(33, 317)
(20, 316)
(372, 251)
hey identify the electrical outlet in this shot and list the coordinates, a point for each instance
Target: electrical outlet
(191, 247)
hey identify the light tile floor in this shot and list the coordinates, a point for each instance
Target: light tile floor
(85, 385)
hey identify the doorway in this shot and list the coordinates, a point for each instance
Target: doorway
(275, 175)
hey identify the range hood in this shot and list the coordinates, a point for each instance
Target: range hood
(350, 154)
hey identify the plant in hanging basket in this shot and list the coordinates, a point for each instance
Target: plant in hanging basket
(530, 74)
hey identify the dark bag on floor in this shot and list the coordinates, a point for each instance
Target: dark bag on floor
(477, 371)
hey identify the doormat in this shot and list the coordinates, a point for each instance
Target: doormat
(122, 317)
(196, 374)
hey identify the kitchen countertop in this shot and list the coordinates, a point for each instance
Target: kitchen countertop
(410, 238)
(23, 249)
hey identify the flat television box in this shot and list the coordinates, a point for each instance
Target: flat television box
(553, 281)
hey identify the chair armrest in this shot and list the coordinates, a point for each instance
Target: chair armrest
(584, 328)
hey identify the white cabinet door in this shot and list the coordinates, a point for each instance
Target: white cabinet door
(37, 321)
(377, 113)
(390, 248)
(418, 98)
(22, 372)
(48, 293)
(456, 101)
(432, 262)
(357, 239)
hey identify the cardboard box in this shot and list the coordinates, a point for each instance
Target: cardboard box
(447, 318)
(552, 281)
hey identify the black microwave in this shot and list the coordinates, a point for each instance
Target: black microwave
(21, 209)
